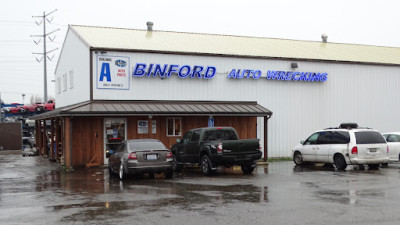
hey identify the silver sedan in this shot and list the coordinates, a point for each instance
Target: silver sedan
(141, 156)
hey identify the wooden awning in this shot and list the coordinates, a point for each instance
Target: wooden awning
(159, 108)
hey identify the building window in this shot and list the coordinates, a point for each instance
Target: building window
(153, 126)
(174, 127)
(143, 127)
(64, 82)
(58, 85)
(71, 79)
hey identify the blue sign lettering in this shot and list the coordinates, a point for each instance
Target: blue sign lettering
(296, 76)
(167, 70)
(139, 69)
(208, 72)
(197, 71)
(257, 74)
(182, 70)
(105, 72)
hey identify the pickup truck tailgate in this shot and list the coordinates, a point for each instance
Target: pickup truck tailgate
(240, 147)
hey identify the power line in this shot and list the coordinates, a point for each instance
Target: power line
(15, 21)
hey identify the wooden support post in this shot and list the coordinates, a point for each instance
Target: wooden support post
(44, 138)
(68, 142)
(51, 153)
(58, 134)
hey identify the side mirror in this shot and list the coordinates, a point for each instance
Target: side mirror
(302, 142)
(178, 140)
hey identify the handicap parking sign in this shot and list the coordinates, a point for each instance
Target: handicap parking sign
(210, 122)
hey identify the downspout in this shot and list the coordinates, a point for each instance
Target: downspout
(266, 137)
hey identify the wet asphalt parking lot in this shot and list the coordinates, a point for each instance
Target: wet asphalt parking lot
(36, 191)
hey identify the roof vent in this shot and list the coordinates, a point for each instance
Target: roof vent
(324, 38)
(149, 26)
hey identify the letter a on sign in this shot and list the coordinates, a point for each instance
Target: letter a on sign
(105, 72)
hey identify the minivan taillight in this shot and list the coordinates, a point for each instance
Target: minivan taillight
(219, 148)
(354, 150)
(259, 144)
(169, 154)
(132, 155)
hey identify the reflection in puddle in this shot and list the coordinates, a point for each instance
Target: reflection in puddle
(90, 194)
(346, 197)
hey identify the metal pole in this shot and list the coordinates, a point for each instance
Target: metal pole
(45, 58)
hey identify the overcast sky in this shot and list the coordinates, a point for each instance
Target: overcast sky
(367, 22)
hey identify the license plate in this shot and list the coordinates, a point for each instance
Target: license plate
(152, 157)
(372, 150)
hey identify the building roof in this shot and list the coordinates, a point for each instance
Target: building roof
(158, 108)
(226, 45)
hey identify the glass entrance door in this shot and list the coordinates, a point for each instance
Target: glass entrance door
(114, 133)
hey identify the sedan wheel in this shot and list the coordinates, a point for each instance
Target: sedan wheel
(122, 173)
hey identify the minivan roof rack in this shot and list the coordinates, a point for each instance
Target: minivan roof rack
(348, 125)
(344, 126)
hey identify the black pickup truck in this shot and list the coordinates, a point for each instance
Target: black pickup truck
(215, 146)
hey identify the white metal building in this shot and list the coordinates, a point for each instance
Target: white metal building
(307, 85)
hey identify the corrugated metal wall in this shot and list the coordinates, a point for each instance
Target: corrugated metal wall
(366, 94)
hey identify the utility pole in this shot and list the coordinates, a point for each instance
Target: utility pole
(45, 52)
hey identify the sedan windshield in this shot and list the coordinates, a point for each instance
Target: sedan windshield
(143, 146)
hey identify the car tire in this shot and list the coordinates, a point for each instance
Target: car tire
(340, 162)
(169, 174)
(206, 165)
(247, 168)
(298, 158)
(175, 164)
(122, 172)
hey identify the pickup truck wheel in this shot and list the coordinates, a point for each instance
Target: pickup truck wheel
(175, 164)
(247, 169)
(340, 162)
(206, 165)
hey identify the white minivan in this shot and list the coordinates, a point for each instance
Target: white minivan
(345, 145)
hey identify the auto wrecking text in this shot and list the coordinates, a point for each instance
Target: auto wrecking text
(208, 72)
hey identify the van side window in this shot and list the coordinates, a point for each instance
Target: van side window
(340, 137)
(324, 138)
